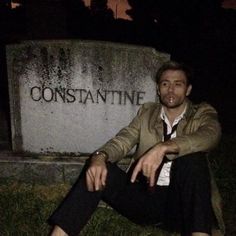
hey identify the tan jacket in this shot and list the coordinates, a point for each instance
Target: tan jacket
(198, 131)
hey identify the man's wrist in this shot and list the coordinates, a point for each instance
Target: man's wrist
(161, 148)
(170, 147)
(100, 155)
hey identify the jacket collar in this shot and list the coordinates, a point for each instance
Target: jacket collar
(157, 121)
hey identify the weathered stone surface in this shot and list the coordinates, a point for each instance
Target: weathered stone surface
(44, 170)
(70, 97)
(49, 170)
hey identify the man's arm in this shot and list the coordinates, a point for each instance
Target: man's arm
(96, 173)
(119, 146)
(203, 139)
(152, 159)
(113, 150)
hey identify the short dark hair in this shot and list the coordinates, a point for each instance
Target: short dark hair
(173, 65)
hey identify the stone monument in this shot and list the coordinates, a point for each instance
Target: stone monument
(71, 96)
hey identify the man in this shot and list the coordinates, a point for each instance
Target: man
(169, 184)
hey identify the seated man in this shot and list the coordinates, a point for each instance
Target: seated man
(169, 184)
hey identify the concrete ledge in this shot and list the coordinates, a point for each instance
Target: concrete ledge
(42, 169)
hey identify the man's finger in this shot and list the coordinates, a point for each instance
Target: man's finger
(152, 178)
(89, 182)
(136, 170)
(146, 171)
(98, 180)
(104, 177)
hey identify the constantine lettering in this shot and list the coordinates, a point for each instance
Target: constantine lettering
(86, 96)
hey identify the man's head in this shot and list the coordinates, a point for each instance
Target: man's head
(173, 84)
(173, 65)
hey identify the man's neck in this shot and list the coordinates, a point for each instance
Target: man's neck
(173, 113)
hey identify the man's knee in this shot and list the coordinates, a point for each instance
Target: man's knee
(192, 166)
(194, 161)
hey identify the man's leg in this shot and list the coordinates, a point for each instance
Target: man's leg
(72, 215)
(190, 195)
(131, 200)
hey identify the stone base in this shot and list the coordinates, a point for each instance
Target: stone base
(42, 169)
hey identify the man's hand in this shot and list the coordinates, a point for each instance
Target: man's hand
(151, 160)
(96, 174)
(149, 163)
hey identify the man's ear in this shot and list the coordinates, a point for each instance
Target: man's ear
(189, 89)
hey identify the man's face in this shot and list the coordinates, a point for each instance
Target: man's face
(173, 88)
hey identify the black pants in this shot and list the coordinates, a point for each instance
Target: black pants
(184, 206)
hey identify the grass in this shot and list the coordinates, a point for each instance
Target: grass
(24, 208)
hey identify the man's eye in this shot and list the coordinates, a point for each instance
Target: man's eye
(164, 84)
(178, 84)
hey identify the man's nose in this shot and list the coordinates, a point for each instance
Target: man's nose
(171, 87)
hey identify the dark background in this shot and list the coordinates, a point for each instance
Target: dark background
(199, 33)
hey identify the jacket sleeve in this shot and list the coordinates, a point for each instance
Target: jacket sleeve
(125, 139)
(205, 137)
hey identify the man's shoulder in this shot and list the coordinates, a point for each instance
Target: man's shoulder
(150, 106)
(148, 109)
(202, 108)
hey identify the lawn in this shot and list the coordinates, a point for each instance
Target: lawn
(24, 208)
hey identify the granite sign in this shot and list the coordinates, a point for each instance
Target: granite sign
(70, 97)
